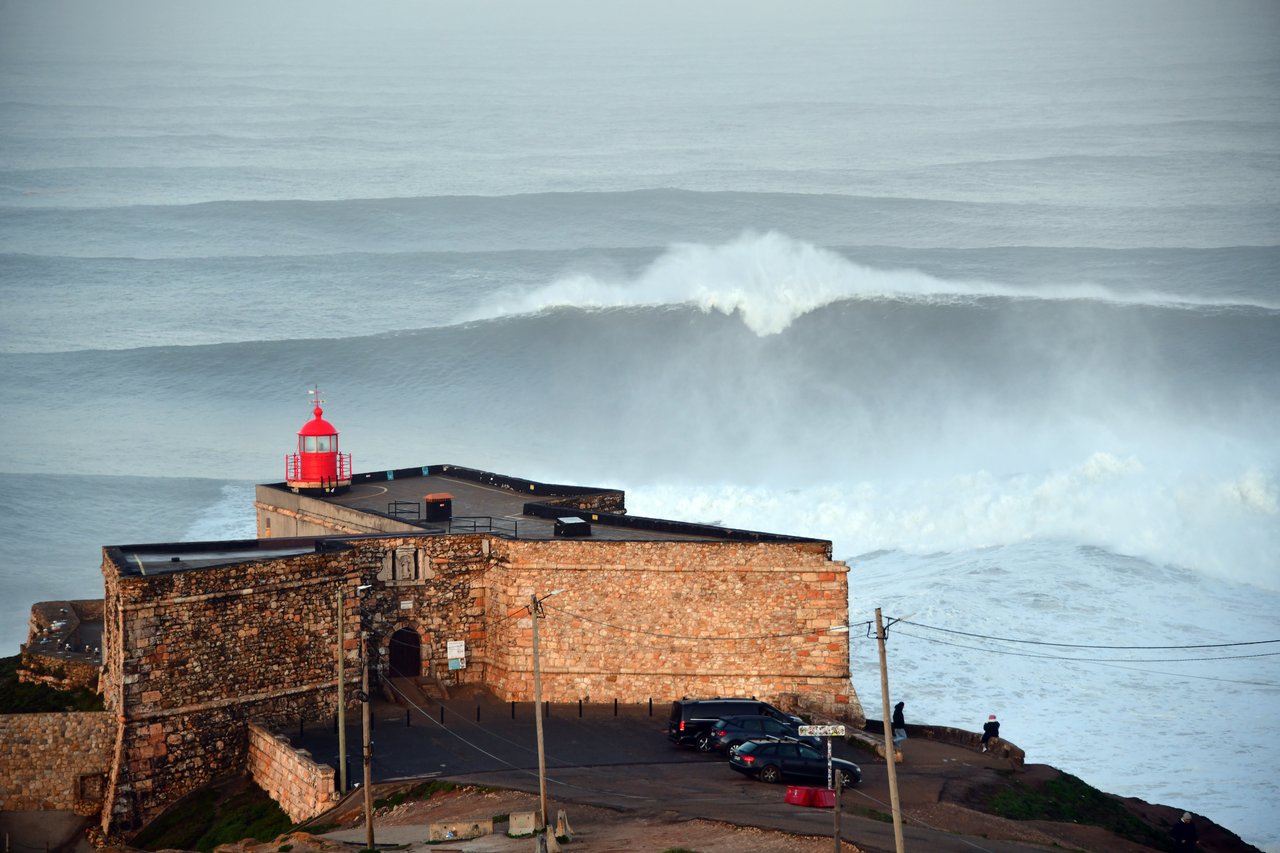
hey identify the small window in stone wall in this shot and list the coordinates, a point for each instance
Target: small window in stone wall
(91, 787)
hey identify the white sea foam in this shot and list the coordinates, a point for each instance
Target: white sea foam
(1006, 559)
(770, 279)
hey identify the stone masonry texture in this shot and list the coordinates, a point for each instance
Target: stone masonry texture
(193, 659)
(55, 761)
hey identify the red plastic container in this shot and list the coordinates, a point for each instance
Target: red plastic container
(823, 799)
(800, 796)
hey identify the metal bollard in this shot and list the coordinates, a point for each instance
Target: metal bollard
(579, 709)
(513, 709)
(615, 706)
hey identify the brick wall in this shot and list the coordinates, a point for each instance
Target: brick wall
(55, 761)
(303, 788)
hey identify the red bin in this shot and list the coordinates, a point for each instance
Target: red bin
(799, 796)
(823, 798)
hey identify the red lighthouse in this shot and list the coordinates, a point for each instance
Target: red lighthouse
(317, 466)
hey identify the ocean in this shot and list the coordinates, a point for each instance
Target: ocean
(986, 294)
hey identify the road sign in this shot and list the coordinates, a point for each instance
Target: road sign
(822, 731)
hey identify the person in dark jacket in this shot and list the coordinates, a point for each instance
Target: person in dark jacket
(989, 730)
(1184, 834)
(899, 724)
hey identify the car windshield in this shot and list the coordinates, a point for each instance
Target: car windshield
(719, 724)
(748, 748)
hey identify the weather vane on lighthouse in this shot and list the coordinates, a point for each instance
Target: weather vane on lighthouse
(317, 466)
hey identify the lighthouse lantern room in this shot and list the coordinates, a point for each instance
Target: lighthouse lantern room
(317, 466)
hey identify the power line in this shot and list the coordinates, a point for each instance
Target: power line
(1087, 660)
(1083, 646)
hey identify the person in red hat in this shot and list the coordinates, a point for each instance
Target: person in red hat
(990, 730)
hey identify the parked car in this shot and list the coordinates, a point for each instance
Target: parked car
(728, 732)
(785, 761)
(691, 719)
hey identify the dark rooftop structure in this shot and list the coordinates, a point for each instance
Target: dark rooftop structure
(444, 499)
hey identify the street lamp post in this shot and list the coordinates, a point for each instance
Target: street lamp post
(535, 610)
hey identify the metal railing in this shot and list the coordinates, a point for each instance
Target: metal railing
(485, 524)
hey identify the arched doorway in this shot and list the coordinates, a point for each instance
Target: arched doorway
(406, 654)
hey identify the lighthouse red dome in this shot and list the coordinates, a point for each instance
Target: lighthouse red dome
(317, 466)
(319, 426)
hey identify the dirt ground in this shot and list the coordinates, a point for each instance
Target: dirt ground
(595, 829)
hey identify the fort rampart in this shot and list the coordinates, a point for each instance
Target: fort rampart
(302, 787)
(198, 644)
(55, 761)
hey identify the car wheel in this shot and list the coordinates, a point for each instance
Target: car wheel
(847, 780)
(770, 774)
(733, 747)
(704, 743)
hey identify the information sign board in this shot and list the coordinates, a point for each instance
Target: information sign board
(822, 731)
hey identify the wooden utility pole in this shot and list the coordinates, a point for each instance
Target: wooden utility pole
(889, 746)
(364, 714)
(342, 699)
(535, 609)
(839, 790)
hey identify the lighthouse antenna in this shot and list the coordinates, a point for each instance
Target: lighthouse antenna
(314, 394)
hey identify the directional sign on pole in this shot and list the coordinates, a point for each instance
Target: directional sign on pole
(822, 731)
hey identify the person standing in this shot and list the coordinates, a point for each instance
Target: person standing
(899, 724)
(1184, 834)
(990, 730)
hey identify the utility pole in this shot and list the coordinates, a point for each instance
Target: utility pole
(535, 610)
(889, 746)
(364, 713)
(342, 699)
(839, 790)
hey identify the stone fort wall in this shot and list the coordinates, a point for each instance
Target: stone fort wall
(192, 657)
(55, 761)
(302, 787)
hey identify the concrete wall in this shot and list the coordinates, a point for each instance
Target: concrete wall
(55, 761)
(302, 787)
(283, 514)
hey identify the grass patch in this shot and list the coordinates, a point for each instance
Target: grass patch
(17, 697)
(873, 814)
(421, 791)
(1067, 799)
(216, 814)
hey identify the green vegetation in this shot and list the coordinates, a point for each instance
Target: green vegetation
(217, 814)
(18, 697)
(1067, 799)
(421, 791)
(873, 814)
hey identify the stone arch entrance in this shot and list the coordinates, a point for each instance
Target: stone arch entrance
(405, 654)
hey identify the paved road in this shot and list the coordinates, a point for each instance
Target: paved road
(622, 761)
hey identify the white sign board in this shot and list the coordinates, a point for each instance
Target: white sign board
(822, 731)
(455, 649)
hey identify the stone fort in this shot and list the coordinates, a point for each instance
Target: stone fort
(205, 646)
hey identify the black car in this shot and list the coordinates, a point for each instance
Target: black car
(691, 719)
(728, 732)
(783, 761)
